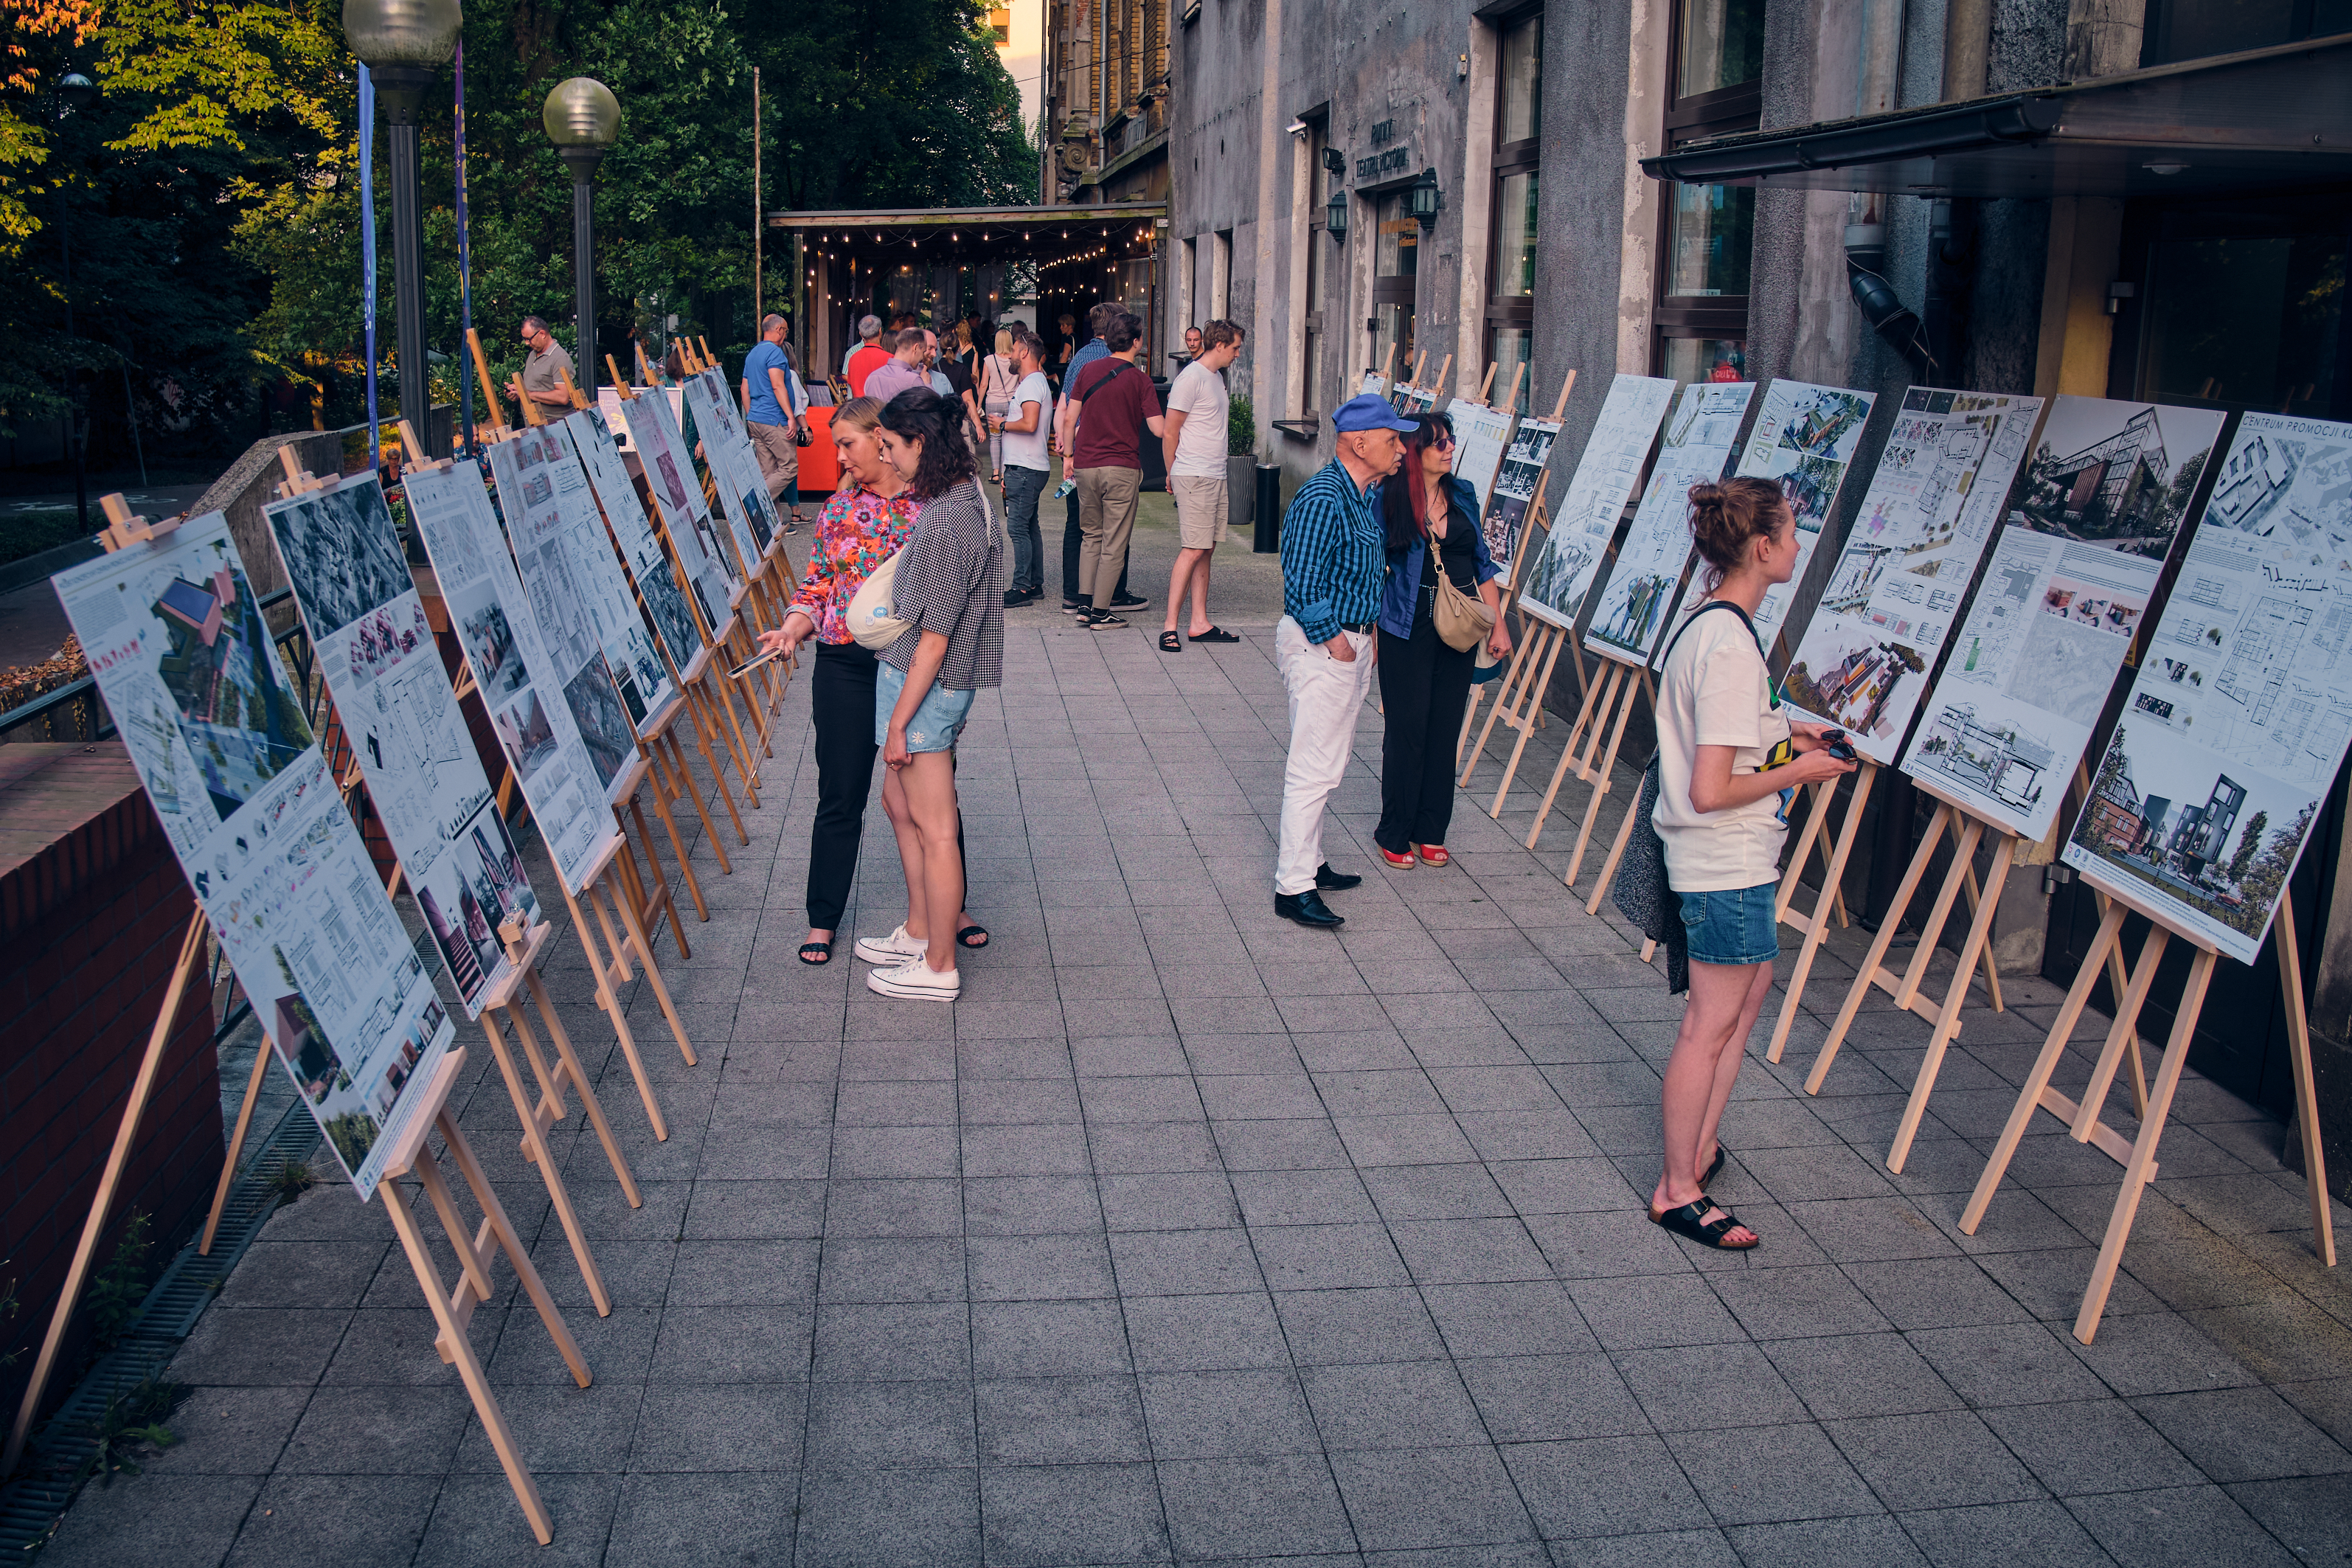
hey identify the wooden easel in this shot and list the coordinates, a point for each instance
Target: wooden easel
(2138, 1157)
(453, 1309)
(1968, 830)
(1831, 901)
(1478, 691)
(496, 429)
(110, 1184)
(702, 676)
(1616, 690)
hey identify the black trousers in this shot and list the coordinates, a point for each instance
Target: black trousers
(1071, 537)
(1424, 686)
(841, 703)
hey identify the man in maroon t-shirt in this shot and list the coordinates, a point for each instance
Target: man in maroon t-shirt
(1113, 404)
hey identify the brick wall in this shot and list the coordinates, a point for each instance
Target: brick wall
(93, 908)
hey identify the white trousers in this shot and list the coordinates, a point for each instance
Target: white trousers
(1325, 697)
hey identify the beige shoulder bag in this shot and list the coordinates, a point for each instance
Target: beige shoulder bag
(1463, 620)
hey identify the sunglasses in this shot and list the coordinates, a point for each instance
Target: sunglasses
(1443, 440)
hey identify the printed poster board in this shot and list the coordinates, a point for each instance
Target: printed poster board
(1629, 619)
(641, 546)
(1516, 481)
(179, 649)
(1586, 518)
(1933, 503)
(734, 470)
(1803, 441)
(424, 777)
(669, 475)
(528, 704)
(2242, 708)
(2029, 673)
(1479, 436)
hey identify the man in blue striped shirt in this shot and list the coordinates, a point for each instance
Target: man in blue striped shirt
(1333, 561)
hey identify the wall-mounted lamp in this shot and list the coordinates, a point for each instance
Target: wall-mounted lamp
(1335, 160)
(1462, 69)
(1335, 214)
(1428, 201)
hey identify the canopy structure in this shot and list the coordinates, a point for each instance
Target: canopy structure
(2266, 119)
(944, 264)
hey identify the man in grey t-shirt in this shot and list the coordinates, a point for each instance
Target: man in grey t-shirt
(540, 380)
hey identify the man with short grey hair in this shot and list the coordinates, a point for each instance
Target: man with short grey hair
(872, 352)
(771, 414)
(868, 328)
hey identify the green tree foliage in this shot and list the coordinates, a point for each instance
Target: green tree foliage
(2250, 844)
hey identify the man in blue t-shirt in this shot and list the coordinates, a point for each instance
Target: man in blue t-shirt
(772, 405)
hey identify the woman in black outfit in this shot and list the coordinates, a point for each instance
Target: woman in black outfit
(1424, 684)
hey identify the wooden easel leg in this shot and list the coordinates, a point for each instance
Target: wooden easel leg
(597, 895)
(1617, 846)
(571, 1058)
(235, 1147)
(2116, 982)
(1583, 734)
(1817, 928)
(1947, 1022)
(2037, 1082)
(676, 842)
(1984, 960)
(1915, 974)
(1603, 776)
(142, 1089)
(2307, 1110)
(2142, 1153)
(747, 767)
(681, 783)
(493, 1215)
(2122, 1038)
(535, 1150)
(1878, 946)
(604, 968)
(707, 724)
(1512, 675)
(469, 1366)
(1531, 698)
(569, 1073)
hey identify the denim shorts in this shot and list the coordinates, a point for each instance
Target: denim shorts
(1732, 925)
(936, 724)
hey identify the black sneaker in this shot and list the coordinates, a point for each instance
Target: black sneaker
(1077, 607)
(1016, 597)
(1127, 602)
(1101, 620)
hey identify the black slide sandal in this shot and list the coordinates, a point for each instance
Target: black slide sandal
(1685, 1222)
(963, 937)
(822, 950)
(1169, 643)
(1216, 634)
(1707, 1176)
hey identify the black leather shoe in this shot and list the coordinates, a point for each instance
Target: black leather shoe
(1332, 881)
(1308, 908)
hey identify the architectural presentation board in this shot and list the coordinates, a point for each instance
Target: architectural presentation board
(1479, 433)
(743, 495)
(1933, 503)
(1804, 441)
(2242, 708)
(569, 655)
(1516, 479)
(736, 443)
(568, 568)
(658, 586)
(516, 676)
(2030, 670)
(1629, 619)
(177, 643)
(423, 778)
(1586, 518)
(669, 475)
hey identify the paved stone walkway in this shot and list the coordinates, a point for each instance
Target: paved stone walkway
(1190, 1234)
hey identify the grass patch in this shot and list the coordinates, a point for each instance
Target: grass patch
(29, 533)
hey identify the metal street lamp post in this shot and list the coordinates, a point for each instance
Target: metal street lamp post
(582, 119)
(404, 44)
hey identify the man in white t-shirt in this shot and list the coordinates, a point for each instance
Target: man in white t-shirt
(1027, 465)
(1193, 441)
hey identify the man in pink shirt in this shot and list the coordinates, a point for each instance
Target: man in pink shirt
(906, 367)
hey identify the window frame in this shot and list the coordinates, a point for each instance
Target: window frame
(1720, 111)
(1506, 312)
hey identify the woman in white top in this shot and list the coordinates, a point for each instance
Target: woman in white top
(1727, 764)
(998, 376)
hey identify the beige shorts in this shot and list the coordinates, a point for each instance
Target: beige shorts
(1200, 510)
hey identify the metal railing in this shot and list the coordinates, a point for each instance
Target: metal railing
(75, 713)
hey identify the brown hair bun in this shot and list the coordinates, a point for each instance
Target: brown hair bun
(1725, 516)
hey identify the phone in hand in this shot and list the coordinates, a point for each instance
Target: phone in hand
(1834, 742)
(748, 665)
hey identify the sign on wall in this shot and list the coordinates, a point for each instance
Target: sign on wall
(403, 722)
(2242, 708)
(180, 652)
(1933, 503)
(1629, 619)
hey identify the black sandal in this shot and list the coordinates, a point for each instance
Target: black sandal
(824, 951)
(1685, 1222)
(1216, 634)
(1707, 1177)
(963, 937)
(1170, 643)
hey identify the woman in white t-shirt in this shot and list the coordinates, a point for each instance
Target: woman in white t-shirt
(1727, 764)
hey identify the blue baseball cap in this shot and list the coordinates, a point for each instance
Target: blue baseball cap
(1369, 411)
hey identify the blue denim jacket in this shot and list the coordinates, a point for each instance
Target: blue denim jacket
(1402, 586)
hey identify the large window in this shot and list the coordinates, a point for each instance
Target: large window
(2192, 29)
(1396, 262)
(1511, 282)
(1715, 82)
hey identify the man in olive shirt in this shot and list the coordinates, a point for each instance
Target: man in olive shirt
(540, 380)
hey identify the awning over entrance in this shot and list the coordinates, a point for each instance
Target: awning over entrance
(973, 236)
(2261, 119)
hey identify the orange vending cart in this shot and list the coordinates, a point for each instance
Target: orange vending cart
(820, 464)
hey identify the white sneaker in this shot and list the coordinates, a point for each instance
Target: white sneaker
(890, 951)
(916, 978)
